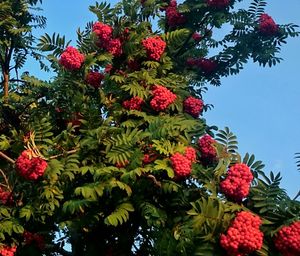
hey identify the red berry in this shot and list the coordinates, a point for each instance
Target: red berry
(218, 3)
(108, 68)
(207, 66)
(8, 251)
(190, 153)
(207, 149)
(134, 103)
(174, 18)
(71, 59)
(237, 182)
(287, 240)
(243, 236)
(114, 47)
(193, 106)
(162, 98)
(154, 47)
(103, 32)
(29, 166)
(34, 238)
(197, 37)
(267, 25)
(94, 79)
(181, 164)
(5, 196)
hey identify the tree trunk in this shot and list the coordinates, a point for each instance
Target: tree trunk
(5, 85)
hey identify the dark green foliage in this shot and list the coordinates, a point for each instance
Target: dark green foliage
(297, 157)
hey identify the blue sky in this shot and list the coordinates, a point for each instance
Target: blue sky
(260, 105)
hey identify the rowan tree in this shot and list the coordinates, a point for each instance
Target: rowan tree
(116, 158)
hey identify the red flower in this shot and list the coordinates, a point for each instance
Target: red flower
(134, 103)
(162, 98)
(243, 236)
(29, 166)
(267, 25)
(94, 79)
(181, 164)
(218, 3)
(174, 18)
(103, 32)
(154, 47)
(287, 240)
(71, 59)
(237, 183)
(193, 106)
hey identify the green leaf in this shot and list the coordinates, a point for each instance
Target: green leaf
(119, 215)
(27, 212)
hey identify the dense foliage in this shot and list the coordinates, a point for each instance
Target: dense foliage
(114, 156)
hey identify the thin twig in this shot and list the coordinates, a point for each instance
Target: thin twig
(62, 154)
(5, 179)
(151, 177)
(7, 158)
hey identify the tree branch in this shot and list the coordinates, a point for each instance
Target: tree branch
(7, 158)
(5, 179)
(62, 154)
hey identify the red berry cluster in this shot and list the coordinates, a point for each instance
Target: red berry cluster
(29, 166)
(174, 18)
(104, 33)
(197, 37)
(162, 98)
(243, 237)
(94, 79)
(267, 25)
(34, 238)
(5, 196)
(190, 153)
(193, 106)
(71, 58)
(181, 164)
(287, 240)
(206, 65)
(154, 47)
(114, 47)
(149, 158)
(218, 3)
(206, 148)
(108, 68)
(134, 103)
(8, 251)
(237, 182)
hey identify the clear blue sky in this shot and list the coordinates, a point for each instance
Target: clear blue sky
(260, 105)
